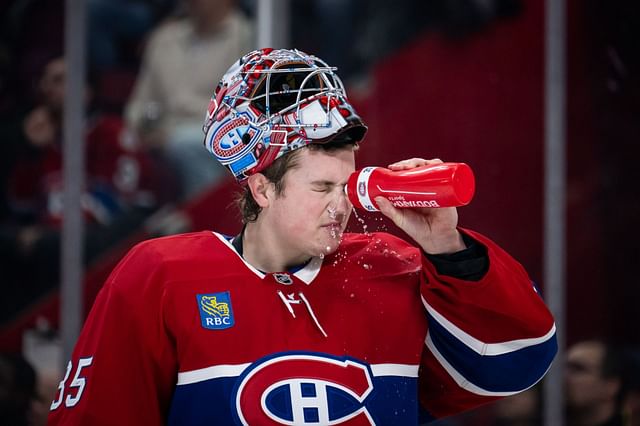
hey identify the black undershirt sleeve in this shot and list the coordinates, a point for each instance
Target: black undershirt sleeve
(470, 264)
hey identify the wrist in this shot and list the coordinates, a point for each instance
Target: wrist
(443, 242)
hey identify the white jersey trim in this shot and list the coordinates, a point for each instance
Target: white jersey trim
(483, 348)
(404, 370)
(459, 378)
(213, 372)
(231, 370)
(310, 271)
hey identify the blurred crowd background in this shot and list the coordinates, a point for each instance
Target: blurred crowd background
(461, 80)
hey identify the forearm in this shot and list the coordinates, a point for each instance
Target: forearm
(490, 334)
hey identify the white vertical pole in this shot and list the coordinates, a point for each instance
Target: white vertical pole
(273, 24)
(555, 199)
(73, 169)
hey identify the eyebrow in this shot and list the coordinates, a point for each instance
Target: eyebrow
(326, 183)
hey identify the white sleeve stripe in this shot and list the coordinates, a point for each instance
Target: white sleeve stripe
(221, 371)
(459, 378)
(483, 348)
(213, 372)
(404, 370)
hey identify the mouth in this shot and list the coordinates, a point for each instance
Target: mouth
(333, 225)
(334, 228)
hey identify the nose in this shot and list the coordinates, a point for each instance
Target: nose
(340, 205)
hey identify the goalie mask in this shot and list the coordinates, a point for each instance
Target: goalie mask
(271, 102)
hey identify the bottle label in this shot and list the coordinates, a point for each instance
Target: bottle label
(363, 189)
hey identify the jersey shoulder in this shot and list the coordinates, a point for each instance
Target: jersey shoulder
(181, 256)
(181, 246)
(380, 253)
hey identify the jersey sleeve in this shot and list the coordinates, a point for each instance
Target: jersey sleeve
(486, 339)
(123, 368)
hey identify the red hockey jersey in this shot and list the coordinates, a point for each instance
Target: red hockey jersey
(185, 332)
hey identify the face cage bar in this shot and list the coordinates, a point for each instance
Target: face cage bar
(334, 90)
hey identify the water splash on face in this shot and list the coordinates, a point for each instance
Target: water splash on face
(335, 233)
(332, 212)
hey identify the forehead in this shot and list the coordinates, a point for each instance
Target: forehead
(319, 164)
(590, 353)
(54, 68)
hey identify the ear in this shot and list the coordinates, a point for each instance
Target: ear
(262, 189)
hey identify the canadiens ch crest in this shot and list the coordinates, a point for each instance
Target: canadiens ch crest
(215, 309)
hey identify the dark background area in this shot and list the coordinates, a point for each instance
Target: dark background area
(452, 80)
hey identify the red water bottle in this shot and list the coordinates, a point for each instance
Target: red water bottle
(434, 185)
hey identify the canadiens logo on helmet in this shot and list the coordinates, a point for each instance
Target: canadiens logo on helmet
(271, 102)
(215, 309)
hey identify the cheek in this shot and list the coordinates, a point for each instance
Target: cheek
(301, 215)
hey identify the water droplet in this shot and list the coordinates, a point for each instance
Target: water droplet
(332, 212)
(362, 222)
(366, 266)
(352, 295)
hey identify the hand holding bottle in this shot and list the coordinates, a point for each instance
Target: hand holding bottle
(434, 229)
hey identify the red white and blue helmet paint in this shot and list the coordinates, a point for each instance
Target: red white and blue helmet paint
(271, 102)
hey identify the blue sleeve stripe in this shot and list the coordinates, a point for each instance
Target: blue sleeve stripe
(490, 375)
(481, 347)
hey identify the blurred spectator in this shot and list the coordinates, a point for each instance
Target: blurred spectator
(594, 384)
(122, 188)
(522, 409)
(631, 403)
(114, 24)
(34, 30)
(20, 402)
(173, 88)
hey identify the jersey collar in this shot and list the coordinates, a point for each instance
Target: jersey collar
(305, 273)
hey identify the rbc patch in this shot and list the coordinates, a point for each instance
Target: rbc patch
(216, 312)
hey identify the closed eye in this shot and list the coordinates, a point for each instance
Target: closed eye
(326, 189)
(322, 186)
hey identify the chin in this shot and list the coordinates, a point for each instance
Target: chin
(324, 247)
(330, 246)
